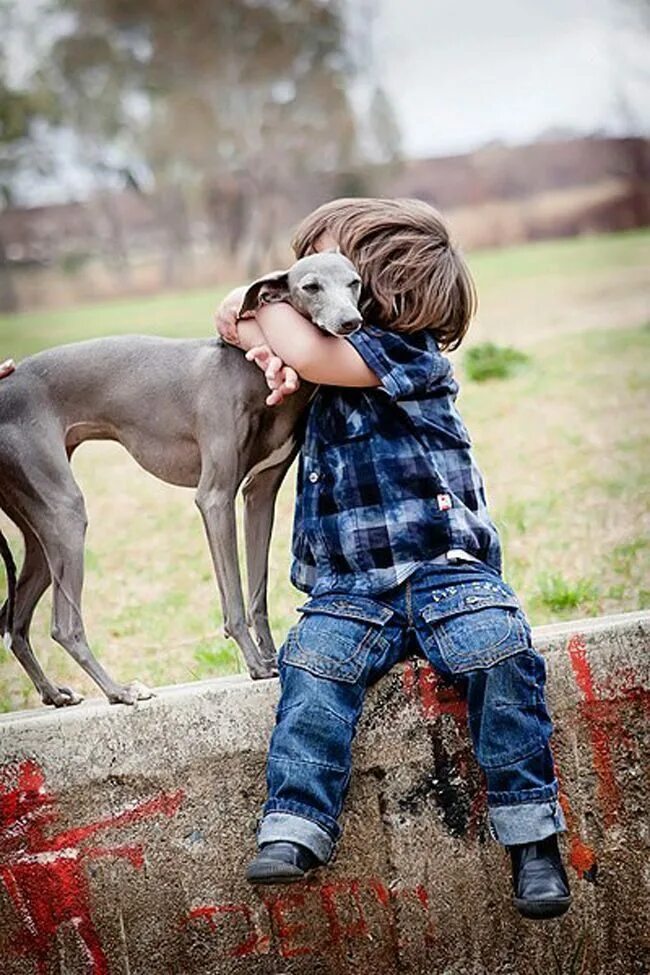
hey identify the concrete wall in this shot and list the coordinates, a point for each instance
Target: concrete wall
(124, 833)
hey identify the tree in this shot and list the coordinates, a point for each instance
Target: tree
(26, 109)
(227, 108)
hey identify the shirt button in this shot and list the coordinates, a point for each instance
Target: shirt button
(313, 477)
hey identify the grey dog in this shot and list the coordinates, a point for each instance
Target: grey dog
(190, 411)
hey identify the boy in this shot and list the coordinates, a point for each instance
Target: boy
(394, 544)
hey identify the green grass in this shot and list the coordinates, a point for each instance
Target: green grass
(563, 445)
(560, 259)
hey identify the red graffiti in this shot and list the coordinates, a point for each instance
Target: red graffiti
(254, 942)
(598, 719)
(581, 857)
(601, 710)
(43, 872)
(287, 932)
(342, 905)
(434, 697)
(339, 932)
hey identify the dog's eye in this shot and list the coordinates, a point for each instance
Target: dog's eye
(355, 284)
(311, 288)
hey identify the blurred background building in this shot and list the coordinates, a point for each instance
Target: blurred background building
(151, 143)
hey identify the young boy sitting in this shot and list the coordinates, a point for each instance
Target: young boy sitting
(394, 544)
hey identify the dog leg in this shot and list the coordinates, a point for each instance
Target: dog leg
(34, 579)
(259, 491)
(217, 507)
(63, 542)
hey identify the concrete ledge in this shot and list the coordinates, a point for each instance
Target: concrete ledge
(124, 832)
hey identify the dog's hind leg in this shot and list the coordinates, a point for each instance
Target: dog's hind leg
(62, 536)
(259, 491)
(33, 581)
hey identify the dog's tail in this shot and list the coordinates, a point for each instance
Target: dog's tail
(10, 606)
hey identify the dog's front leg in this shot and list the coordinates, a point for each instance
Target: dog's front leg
(216, 502)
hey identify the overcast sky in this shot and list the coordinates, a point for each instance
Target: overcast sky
(462, 73)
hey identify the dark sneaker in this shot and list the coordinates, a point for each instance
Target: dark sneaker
(281, 863)
(539, 880)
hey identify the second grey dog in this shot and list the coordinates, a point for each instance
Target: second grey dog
(190, 411)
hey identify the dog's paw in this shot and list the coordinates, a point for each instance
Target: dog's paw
(131, 693)
(268, 668)
(64, 697)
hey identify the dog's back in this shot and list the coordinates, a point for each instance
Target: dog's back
(113, 376)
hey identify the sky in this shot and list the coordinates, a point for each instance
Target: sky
(464, 73)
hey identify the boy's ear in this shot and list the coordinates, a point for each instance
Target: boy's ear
(272, 287)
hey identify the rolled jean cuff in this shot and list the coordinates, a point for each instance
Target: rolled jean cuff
(525, 822)
(543, 793)
(296, 829)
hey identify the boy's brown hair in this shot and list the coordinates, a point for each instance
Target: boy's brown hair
(413, 276)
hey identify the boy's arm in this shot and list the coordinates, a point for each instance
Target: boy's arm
(316, 357)
(242, 332)
(249, 334)
(246, 334)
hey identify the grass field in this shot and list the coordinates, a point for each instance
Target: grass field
(563, 446)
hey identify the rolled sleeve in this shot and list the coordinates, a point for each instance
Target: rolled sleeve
(406, 364)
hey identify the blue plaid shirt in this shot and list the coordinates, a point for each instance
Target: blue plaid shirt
(386, 478)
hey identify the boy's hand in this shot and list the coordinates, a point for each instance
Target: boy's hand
(282, 380)
(225, 317)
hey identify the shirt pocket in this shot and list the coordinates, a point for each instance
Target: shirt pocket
(476, 625)
(340, 420)
(335, 636)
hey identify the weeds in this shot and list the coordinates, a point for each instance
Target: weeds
(490, 361)
(558, 594)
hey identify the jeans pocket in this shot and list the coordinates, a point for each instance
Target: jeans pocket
(335, 636)
(476, 624)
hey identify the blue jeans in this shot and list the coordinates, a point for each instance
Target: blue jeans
(468, 623)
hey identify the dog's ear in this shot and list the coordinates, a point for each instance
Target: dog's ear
(272, 287)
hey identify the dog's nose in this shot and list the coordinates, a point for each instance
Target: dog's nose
(351, 326)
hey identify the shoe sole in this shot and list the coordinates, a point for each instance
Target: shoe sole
(284, 873)
(541, 910)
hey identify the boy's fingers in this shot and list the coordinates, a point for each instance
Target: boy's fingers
(226, 325)
(230, 335)
(273, 367)
(287, 383)
(259, 354)
(274, 398)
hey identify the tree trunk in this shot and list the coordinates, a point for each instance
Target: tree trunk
(8, 296)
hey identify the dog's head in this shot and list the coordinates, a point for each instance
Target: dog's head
(323, 287)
